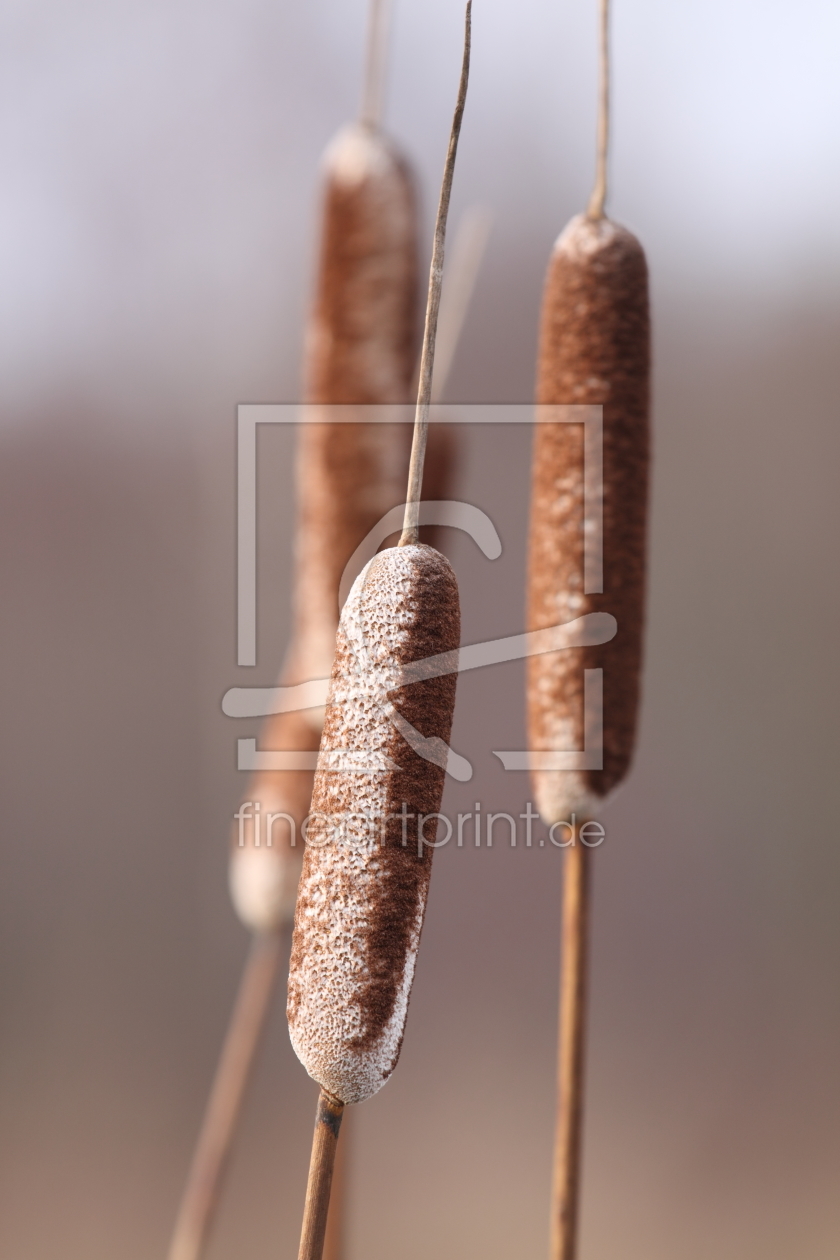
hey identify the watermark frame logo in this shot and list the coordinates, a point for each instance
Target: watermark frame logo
(586, 631)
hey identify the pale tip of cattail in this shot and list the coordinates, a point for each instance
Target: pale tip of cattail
(559, 796)
(582, 237)
(263, 886)
(356, 153)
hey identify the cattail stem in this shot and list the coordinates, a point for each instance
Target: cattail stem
(335, 1240)
(324, 1142)
(411, 524)
(567, 1146)
(377, 46)
(595, 209)
(201, 1192)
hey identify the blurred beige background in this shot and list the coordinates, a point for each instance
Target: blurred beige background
(157, 221)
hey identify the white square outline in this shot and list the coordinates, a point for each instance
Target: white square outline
(249, 415)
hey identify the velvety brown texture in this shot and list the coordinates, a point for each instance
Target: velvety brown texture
(361, 340)
(349, 979)
(594, 348)
(360, 349)
(429, 707)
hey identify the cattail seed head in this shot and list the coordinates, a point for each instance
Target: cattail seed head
(362, 894)
(594, 349)
(360, 349)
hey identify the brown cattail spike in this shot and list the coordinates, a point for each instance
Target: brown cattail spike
(360, 342)
(411, 526)
(594, 348)
(360, 349)
(366, 871)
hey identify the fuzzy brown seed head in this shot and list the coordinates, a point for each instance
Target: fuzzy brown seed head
(360, 349)
(361, 336)
(594, 349)
(362, 893)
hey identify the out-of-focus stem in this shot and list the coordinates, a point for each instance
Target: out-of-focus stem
(201, 1192)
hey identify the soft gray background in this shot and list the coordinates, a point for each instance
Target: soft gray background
(159, 189)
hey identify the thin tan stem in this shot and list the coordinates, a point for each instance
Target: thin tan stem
(335, 1241)
(595, 209)
(567, 1143)
(324, 1142)
(225, 1103)
(373, 94)
(411, 524)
